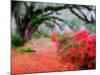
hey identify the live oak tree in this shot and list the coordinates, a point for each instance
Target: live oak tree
(28, 22)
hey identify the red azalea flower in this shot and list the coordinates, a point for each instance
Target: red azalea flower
(55, 40)
(81, 50)
(84, 48)
(69, 63)
(70, 51)
(80, 34)
(71, 66)
(92, 38)
(90, 65)
(54, 37)
(91, 53)
(84, 41)
(91, 47)
(55, 33)
(81, 60)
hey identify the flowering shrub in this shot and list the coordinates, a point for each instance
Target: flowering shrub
(77, 48)
(55, 37)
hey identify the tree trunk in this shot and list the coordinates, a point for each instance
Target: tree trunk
(29, 32)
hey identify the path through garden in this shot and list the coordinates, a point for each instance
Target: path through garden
(45, 59)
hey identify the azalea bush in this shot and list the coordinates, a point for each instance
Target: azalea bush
(78, 49)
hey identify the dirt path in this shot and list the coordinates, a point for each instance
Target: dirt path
(45, 59)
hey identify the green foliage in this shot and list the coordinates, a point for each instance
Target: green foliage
(37, 35)
(29, 50)
(41, 18)
(75, 24)
(16, 40)
(91, 28)
(60, 36)
(22, 50)
(78, 64)
(64, 50)
(67, 22)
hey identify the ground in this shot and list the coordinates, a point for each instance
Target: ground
(45, 59)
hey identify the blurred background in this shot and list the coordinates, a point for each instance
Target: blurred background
(36, 19)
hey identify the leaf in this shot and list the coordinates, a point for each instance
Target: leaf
(66, 22)
(75, 24)
(91, 28)
(78, 64)
(79, 53)
(64, 50)
(41, 18)
(16, 40)
(22, 50)
(29, 50)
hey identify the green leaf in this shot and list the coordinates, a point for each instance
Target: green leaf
(16, 40)
(29, 50)
(66, 22)
(22, 50)
(91, 28)
(75, 24)
(78, 64)
(41, 18)
(79, 53)
(64, 50)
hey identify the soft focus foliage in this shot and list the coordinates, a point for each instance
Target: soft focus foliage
(16, 40)
(23, 50)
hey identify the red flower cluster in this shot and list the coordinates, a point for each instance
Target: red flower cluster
(54, 37)
(79, 49)
(80, 34)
